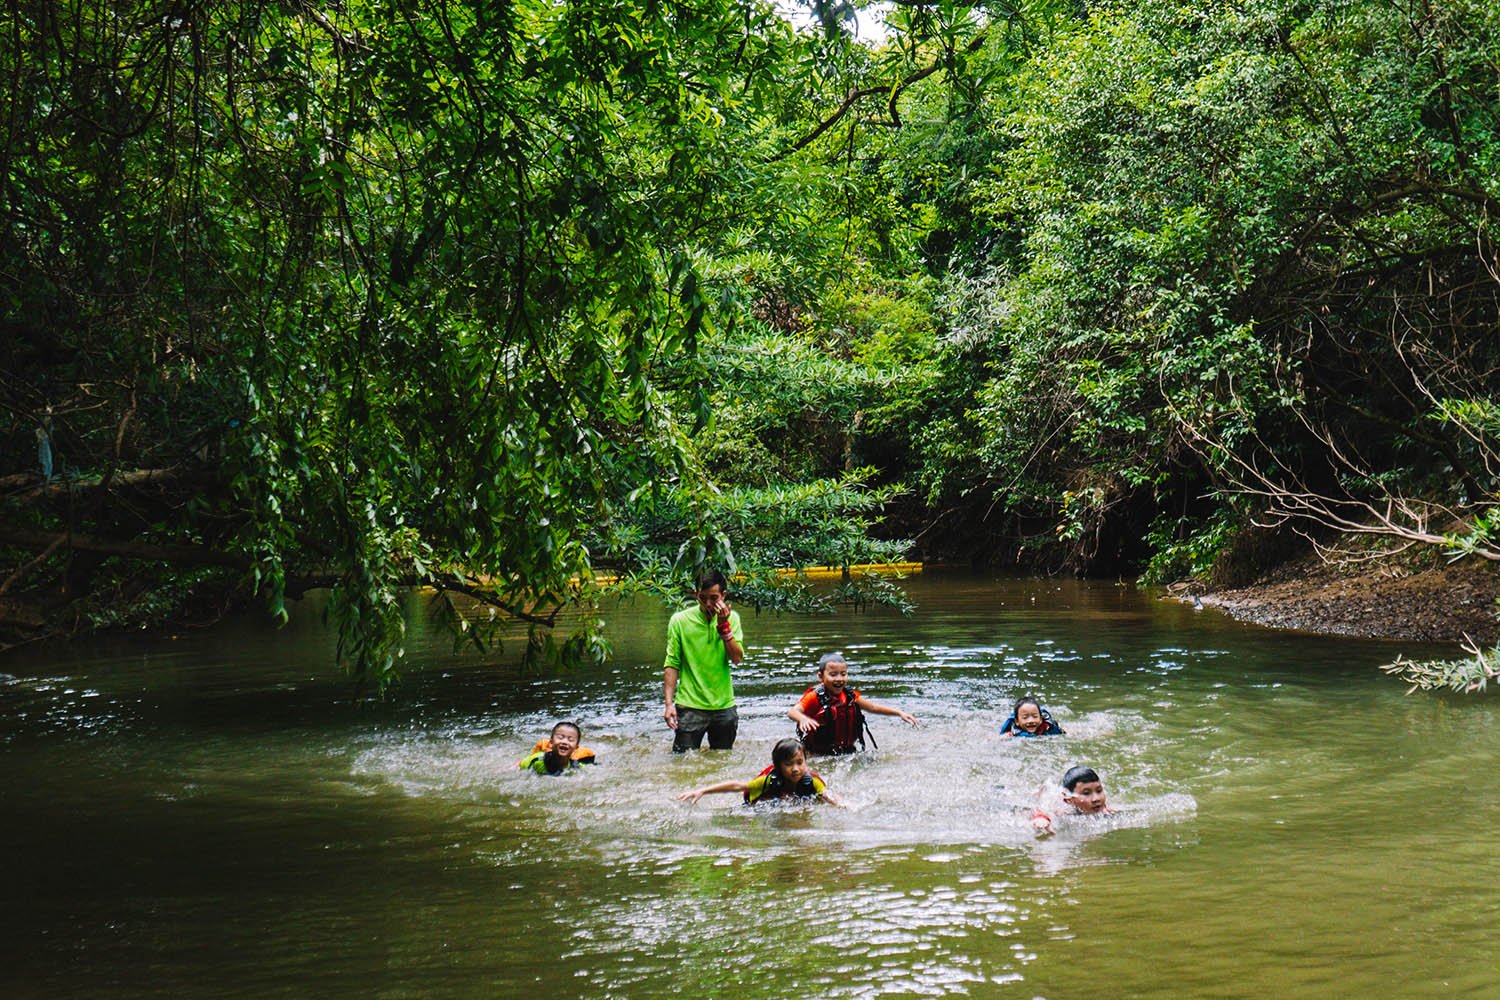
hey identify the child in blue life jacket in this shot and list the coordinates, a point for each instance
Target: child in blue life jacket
(559, 754)
(1082, 795)
(1029, 719)
(830, 715)
(788, 778)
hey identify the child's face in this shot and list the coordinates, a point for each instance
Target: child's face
(835, 675)
(1029, 718)
(793, 770)
(1087, 797)
(564, 741)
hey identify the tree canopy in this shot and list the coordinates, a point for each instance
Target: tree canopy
(497, 298)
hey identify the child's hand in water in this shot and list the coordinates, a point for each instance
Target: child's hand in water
(1042, 824)
(807, 725)
(908, 718)
(691, 797)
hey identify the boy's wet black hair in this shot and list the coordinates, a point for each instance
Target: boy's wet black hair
(1028, 700)
(786, 749)
(571, 725)
(1076, 774)
(712, 578)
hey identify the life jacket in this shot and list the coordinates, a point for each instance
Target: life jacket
(1051, 728)
(581, 755)
(768, 786)
(841, 724)
(541, 763)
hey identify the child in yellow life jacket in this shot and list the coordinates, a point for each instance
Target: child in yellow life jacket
(788, 777)
(559, 754)
(830, 715)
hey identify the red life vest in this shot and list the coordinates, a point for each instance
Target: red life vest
(841, 724)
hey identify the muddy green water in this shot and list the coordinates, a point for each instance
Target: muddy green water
(207, 816)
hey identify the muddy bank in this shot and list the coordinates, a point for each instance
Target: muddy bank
(1388, 600)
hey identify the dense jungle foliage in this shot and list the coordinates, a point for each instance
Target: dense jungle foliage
(522, 300)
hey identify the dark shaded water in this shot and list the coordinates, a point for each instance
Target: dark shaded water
(209, 816)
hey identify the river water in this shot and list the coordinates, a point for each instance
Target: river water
(208, 815)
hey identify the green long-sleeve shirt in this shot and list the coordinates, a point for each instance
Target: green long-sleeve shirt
(696, 652)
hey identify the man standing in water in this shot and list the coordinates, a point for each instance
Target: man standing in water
(702, 641)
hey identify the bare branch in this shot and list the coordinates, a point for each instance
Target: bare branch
(171, 476)
(855, 96)
(182, 555)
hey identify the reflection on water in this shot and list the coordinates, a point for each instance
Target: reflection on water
(211, 816)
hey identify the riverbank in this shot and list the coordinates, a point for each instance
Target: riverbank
(1442, 602)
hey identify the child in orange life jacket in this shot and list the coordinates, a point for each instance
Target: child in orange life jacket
(1029, 718)
(830, 716)
(560, 753)
(788, 777)
(1082, 795)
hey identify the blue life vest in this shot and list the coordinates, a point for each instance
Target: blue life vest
(1053, 729)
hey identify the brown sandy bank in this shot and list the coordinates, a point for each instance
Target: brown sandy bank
(1440, 602)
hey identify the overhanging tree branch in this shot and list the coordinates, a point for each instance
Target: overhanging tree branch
(179, 555)
(855, 96)
(198, 555)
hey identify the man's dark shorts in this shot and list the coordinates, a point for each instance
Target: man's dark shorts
(693, 723)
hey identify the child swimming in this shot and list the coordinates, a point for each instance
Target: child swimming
(1029, 719)
(1082, 795)
(788, 777)
(559, 754)
(830, 715)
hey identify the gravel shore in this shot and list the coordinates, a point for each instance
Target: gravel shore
(1438, 603)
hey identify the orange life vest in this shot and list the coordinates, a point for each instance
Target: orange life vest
(580, 755)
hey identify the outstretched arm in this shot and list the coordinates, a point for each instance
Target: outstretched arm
(723, 786)
(805, 723)
(877, 708)
(1041, 820)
